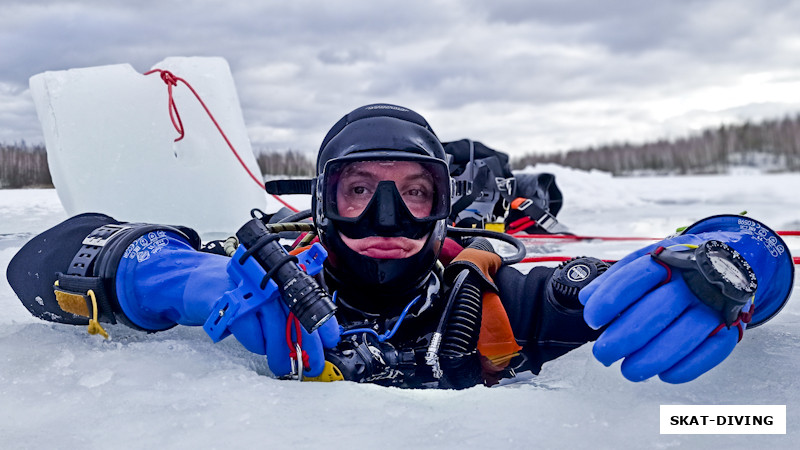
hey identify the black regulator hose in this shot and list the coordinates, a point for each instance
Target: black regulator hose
(256, 213)
(452, 351)
(518, 245)
(296, 217)
(452, 354)
(460, 337)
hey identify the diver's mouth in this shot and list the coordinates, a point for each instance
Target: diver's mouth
(384, 247)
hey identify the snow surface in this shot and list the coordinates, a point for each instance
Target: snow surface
(62, 388)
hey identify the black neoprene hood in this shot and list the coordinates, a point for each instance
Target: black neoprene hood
(379, 127)
(388, 132)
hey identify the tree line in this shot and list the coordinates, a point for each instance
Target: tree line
(23, 165)
(773, 145)
(288, 163)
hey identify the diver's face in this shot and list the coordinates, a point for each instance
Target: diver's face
(358, 184)
(359, 181)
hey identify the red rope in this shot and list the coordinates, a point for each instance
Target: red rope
(572, 237)
(744, 317)
(298, 332)
(603, 238)
(535, 259)
(171, 80)
(654, 255)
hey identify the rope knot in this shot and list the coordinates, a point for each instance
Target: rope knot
(169, 78)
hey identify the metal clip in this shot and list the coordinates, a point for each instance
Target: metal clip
(297, 363)
(432, 355)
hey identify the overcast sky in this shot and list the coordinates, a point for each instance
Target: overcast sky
(520, 76)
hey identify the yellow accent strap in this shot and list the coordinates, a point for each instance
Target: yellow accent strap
(71, 303)
(329, 373)
(501, 360)
(94, 325)
(692, 246)
(493, 226)
(76, 304)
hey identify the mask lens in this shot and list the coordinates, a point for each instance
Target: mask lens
(423, 187)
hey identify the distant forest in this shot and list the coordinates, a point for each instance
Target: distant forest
(289, 163)
(23, 165)
(771, 145)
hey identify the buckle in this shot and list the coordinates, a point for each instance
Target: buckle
(460, 188)
(102, 235)
(525, 204)
(547, 221)
(505, 185)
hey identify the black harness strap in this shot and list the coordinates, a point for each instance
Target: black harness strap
(80, 279)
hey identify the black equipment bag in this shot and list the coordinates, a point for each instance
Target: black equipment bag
(486, 191)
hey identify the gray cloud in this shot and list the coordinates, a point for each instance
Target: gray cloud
(521, 76)
(349, 56)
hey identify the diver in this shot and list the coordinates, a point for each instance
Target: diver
(393, 295)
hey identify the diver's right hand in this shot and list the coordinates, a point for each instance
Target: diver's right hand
(268, 331)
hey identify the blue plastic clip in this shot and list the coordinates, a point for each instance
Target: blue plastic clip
(248, 295)
(313, 258)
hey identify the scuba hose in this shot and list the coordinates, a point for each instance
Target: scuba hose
(389, 334)
(287, 224)
(507, 238)
(296, 217)
(292, 223)
(464, 323)
(456, 336)
(231, 243)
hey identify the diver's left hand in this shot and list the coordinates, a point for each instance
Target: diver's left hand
(654, 321)
(657, 323)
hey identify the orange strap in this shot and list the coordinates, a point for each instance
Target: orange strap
(483, 263)
(299, 250)
(517, 202)
(486, 262)
(496, 340)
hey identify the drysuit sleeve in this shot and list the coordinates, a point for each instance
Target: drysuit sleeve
(546, 318)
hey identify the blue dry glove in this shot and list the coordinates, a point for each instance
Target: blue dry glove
(162, 281)
(264, 331)
(661, 327)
